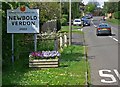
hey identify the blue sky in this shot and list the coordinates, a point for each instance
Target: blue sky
(100, 1)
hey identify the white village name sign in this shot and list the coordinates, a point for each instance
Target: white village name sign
(23, 20)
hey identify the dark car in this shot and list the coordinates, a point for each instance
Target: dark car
(103, 29)
(86, 22)
(83, 18)
(87, 17)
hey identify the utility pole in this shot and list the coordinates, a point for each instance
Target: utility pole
(70, 28)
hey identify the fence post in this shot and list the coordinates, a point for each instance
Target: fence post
(61, 42)
(56, 43)
(65, 39)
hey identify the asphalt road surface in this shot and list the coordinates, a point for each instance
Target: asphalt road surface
(102, 55)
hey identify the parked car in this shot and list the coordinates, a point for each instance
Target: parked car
(103, 28)
(86, 22)
(77, 22)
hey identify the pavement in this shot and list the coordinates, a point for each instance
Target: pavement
(77, 39)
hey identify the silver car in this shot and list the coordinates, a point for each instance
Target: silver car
(103, 29)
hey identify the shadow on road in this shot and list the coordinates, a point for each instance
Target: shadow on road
(78, 43)
(91, 57)
(113, 35)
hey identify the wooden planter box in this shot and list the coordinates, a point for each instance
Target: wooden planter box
(44, 63)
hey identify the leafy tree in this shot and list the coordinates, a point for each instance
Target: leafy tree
(110, 7)
(65, 7)
(90, 8)
(75, 10)
(48, 10)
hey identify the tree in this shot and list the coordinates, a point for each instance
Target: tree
(65, 7)
(75, 7)
(48, 10)
(90, 8)
(75, 10)
(110, 7)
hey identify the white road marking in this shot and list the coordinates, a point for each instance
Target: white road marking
(102, 74)
(105, 73)
(110, 36)
(117, 73)
(102, 37)
(95, 26)
(114, 38)
(93, 23)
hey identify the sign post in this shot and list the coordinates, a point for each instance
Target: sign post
(12, 48)
(23, 20)
(35, 42)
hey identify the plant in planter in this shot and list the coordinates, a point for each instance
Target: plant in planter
(44, 59)
(44, 55)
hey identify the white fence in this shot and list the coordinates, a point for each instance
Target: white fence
(60, 39)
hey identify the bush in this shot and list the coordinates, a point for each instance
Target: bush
(117, 15)
(65, 16)
(64, 21)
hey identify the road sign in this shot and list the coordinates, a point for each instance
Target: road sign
(23, 20)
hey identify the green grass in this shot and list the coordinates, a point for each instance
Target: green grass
(114, 21)
(70, 72)
(74, 29)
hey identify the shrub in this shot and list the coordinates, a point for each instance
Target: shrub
(65, 16)
(117, 15)
(64, 21)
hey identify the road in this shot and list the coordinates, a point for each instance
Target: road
(102, 55)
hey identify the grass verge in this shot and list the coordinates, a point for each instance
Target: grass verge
(114, 21)
(70, 72)
(75, 29)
